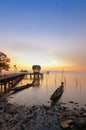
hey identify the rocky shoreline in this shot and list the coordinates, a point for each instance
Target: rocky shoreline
(57, 117)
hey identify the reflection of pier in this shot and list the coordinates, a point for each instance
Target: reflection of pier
(36, 75)
(6, 83)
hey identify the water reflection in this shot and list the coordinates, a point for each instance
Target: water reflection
(4, 90)
(36, 79)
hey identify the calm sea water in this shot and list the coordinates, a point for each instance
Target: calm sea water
(75, 89)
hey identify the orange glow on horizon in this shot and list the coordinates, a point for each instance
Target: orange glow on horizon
(49, 67)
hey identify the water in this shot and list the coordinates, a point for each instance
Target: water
(75, 89)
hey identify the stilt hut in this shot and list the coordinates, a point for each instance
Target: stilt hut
(36, 72)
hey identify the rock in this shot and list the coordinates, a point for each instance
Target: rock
(24, 127)
(51, 113)
(7, 117)
(62, 103)
(16, 127)
(76, 103)
(1, 106)
(1, 121)
(75, 108)
(71, 102)
(4, 127)
(82, 109)
(64, 108)
(84, 114)
(33, 108)
(30, 116)
(66, 114)
(46, 107)
(66, 123)
(80, 123)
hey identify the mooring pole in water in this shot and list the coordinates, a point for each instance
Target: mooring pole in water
(62, 75)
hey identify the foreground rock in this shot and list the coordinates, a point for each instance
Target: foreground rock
(15, 117)
(66, 123)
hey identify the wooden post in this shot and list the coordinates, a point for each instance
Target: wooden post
(5, 87)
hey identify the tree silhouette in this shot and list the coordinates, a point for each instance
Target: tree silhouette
(4, 61)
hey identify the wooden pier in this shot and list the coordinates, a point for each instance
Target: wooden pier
(7, 82)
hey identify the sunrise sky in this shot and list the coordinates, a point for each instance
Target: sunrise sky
(51, 33)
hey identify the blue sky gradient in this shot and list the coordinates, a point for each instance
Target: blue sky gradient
(45, 32)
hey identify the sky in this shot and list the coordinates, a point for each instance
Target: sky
(51, 33)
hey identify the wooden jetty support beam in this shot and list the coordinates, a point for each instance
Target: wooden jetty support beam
(36, 75)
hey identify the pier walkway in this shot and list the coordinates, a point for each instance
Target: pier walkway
(8, 81)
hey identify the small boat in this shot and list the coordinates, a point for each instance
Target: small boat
(22, 87)
(58, 92)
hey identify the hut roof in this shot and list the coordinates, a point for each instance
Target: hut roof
(36, 67)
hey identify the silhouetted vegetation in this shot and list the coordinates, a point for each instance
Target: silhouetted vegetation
(4, 61)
